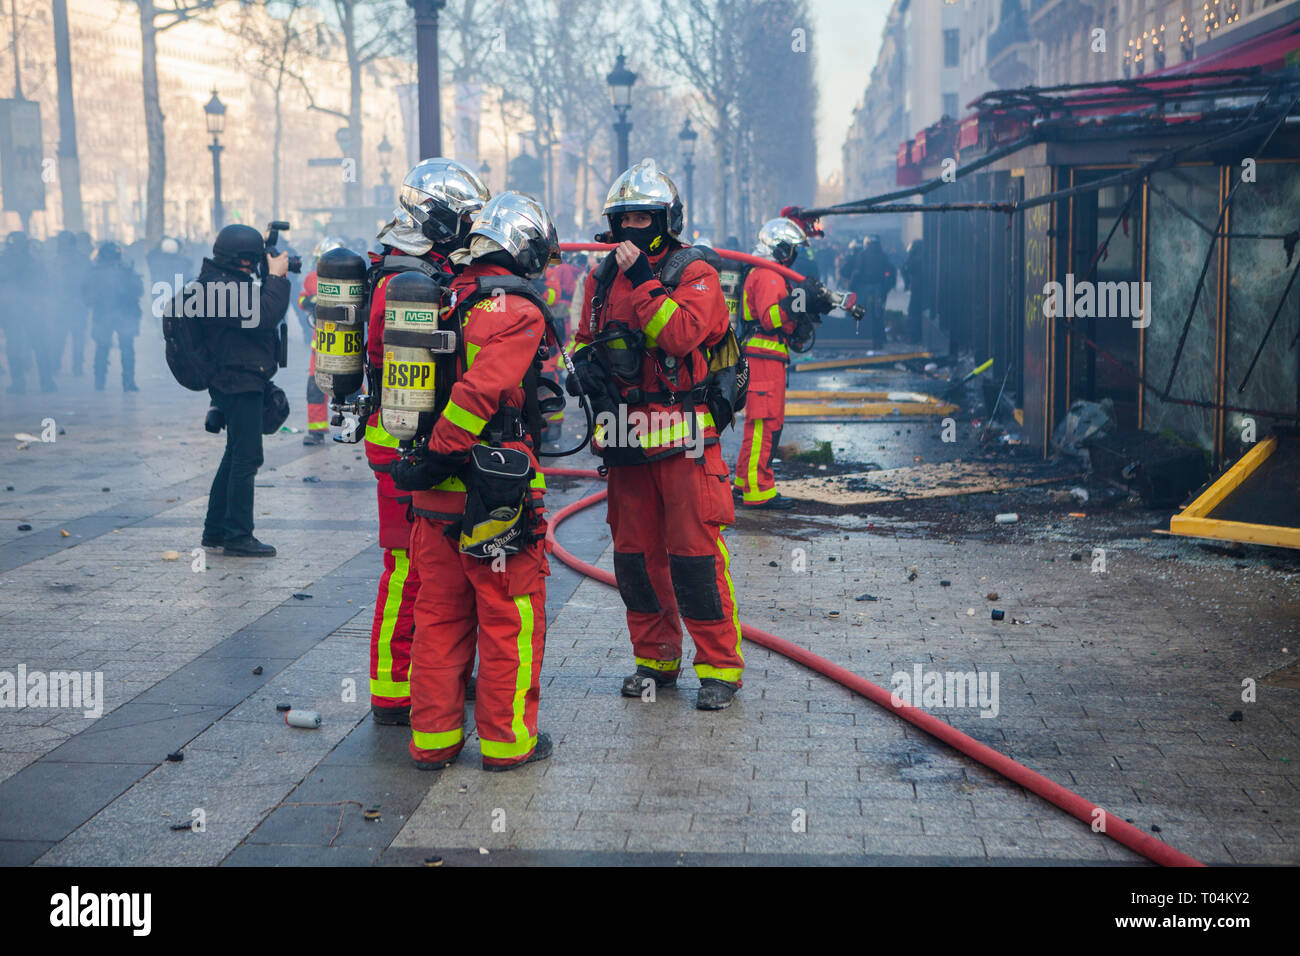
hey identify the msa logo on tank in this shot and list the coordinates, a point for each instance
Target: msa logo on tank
(353, 292)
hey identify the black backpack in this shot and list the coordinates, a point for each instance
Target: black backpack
(186, 349)
(728, 378)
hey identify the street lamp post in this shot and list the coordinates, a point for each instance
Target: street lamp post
(215, 111)
(484, 171)
(688, 137)
(426, 55)
(384, 193)
(620, 82)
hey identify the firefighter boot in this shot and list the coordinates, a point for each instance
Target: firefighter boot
(634, 684)
(540, 752)
(714, 694)
(391, 716)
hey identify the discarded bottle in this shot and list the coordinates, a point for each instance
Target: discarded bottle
(1009, 517)
(303, 718)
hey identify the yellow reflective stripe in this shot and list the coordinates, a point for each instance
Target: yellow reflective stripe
(471, 351)
(730, 674)
(390, 688)
(578, 348)
(744, 297)
(774, 314)
(523, 744)
(316, 426)
(755, 450)
(465, 419)
(662, 666)
(450, 484)
(674, 432)
(388, 624)
(440, 740)
(539, 482)
(759, 342)
(657, 322)
(755, 497)
(551, 296)
(376, 435)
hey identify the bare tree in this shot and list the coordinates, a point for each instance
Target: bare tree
(553, 51)
(370, 30)
(702, 41)
(279, 47)
(157, 16)
(777, 110)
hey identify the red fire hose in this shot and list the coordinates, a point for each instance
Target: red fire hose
(725, 253)
(1073, 804)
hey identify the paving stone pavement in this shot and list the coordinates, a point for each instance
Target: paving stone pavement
(1119, 685)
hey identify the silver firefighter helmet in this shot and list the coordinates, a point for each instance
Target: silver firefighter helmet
(438, 192)
(645, 188)
(328, 244)
(438, 199)
(778, 238)
(522, 227)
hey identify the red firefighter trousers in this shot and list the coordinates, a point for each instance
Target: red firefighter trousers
(667, 518)
(394, 623)
(465, 602)
(318, 406)
(764, 419)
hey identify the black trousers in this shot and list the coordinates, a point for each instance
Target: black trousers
(230, 500)
(103, 345)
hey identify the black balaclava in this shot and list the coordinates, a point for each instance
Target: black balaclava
(651, 239)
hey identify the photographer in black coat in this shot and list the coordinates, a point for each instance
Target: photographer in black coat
(239, 324)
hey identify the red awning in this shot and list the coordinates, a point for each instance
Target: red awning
(1268, 51)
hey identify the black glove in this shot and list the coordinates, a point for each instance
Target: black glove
(588, 378)
(818, 299)
(421, 472)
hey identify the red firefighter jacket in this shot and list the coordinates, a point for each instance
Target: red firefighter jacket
(676, 325)
(764, 290)
(500, 345)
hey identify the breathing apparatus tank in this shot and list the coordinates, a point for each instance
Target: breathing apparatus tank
(340, 339)
(418, 354)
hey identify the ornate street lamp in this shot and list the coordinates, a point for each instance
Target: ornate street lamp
(688, 137)
(620, 81)
(215, 113)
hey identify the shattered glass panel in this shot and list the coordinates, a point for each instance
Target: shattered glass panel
(1258, 272)
(1176, 249)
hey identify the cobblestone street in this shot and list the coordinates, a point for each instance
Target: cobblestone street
(1125, 686)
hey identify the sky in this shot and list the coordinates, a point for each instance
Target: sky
(847, 39)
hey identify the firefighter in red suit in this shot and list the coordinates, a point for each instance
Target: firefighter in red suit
(768, 312)
(438, 200)
(669, 495)
(499, 604)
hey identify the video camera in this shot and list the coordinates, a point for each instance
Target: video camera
(272, 239)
